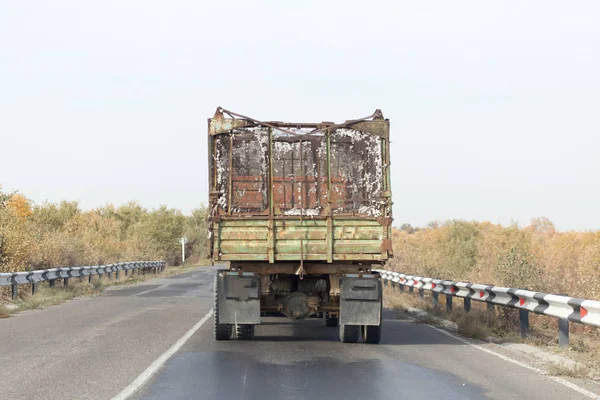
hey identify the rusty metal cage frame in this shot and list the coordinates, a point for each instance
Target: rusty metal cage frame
(375, 124)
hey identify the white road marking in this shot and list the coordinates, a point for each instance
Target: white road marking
(159, 362)
(562, 381)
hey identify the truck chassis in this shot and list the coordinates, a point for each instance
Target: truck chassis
(351, 301)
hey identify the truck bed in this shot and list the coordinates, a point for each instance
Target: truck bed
(285, 192)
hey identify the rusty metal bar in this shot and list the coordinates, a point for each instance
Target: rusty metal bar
(230, 205)
(376, 114)
(211, 164)
(301, 182)
(270, 171)
(271, 224)
(293, 182)
(329, 211)
(267, 124)
(280, 125)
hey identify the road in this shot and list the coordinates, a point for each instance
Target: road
(93, 348)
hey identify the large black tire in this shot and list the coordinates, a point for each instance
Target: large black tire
(349, 333)
(371, 334)
(222, 331)
(331, 322)
(244, 331)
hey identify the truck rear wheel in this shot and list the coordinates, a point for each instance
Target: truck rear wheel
(222, 331)
(244, 331)
(349, 333)
(371, 333)
(331, 322)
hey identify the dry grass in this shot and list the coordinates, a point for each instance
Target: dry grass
(395, 301)
(478, 324)
(576, 371)
(582, 349)
(50, 296)
(4, 312)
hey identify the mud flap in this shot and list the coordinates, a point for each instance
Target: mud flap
(239, 300)
(360, 299)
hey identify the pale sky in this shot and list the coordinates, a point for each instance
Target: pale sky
(494, 105)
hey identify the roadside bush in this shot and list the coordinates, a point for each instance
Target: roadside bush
(61, 234)
(535, 256)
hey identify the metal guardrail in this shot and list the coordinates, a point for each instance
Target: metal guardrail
(51, 275)
(566, 309)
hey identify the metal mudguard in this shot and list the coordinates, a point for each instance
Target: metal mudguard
(360, 299)
(239, 300)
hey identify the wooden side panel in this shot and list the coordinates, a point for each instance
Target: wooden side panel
(248, 239)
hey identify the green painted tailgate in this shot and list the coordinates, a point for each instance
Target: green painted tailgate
(248, 240)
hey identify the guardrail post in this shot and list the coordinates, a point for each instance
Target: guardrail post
(448, 302)
(15, 291)
(126, 272)
(563, 332)
(524, 322)
(467, 304)
(436, 301)
(52, 282)
(490, 306)
(109, 276)
(34, 287)
(401, 286)
(65, 281)
(421, 294)
(411, 289)
(117, 275)
(90, 277)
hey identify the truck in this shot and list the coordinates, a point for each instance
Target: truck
(302, 215)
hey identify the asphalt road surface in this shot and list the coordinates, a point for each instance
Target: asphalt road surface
(93, 348)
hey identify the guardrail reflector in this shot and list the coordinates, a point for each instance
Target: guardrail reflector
(521, 301)
(583, 312)
(481, 294)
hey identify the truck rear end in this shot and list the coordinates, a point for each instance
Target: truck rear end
(302, 212)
